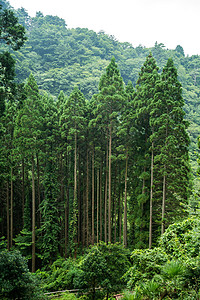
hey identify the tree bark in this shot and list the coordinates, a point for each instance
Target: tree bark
(8, 216)
(109, 187)
(93, 196)
(97, 206)
(11, 209)
(125, 203)
(163, 204)
(106, 191)
(151, 199)
(33, 216)
(87, 201)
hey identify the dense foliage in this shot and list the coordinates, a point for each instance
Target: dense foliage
(94, 146)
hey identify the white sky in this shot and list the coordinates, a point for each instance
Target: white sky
(139, 22)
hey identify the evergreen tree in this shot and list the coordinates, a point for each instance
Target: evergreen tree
(145, 91)
(171, 147)
(28, 130)
(72, 121)
(110, 100)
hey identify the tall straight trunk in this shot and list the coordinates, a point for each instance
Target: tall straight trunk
(93, 196)
(79, 200)
(125, 203)
(106, 191)
(115, 204)
(109, 187)
(38, 188)
(66, 209)
(87, 201)
(163, 204)
(8, 215)
(100, 202)
(75, 195)
(97, 205)
(120, 208)
(33, 216)
(151, 198)
(23, 189)
(11, 209)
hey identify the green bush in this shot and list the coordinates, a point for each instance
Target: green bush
(62, 275)
(15, 279)
(146, 264)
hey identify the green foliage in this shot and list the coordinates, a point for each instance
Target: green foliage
(182, 240)
(150, 260)
(104, 266)
(62, 275)
(15, 279)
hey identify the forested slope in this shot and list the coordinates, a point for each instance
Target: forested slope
(61, 58)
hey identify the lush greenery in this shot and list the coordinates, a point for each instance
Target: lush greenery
(97, 139)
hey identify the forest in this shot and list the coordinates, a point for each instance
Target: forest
(99, 186)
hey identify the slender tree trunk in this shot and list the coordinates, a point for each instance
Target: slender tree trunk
(115, 204)
(100, 202)
(93, 196)
(79, 200)
(151, 199)
(120, 208)
(8, 216)
(33, 217)
(23, 190)
(38, 188)
(97, 205)
(125, 203)
(109, 187)
(87, 200)
(106, 191)
(66, 209)
(75, 196)
(163, 204)
(11, 209)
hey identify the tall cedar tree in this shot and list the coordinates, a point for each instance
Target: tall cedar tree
(145, 91)
(171, 141)
(29, 123)
(110, 101)
(73, 121)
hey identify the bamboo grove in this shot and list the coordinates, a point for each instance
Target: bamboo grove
(76, 171)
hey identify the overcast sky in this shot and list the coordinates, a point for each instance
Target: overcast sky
(139, 22)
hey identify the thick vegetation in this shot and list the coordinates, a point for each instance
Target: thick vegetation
(94, 150)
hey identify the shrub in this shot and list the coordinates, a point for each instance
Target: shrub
(15, 279)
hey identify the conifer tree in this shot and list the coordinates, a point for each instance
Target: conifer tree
(171, 146)
(110, 101)
(72, 121)
(28, 130)
(145, 91)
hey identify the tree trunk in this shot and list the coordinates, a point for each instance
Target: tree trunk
(163, 204)
(151, 200)
(87, 200)
(8, 216)
(75, 196)
(23, 190)
(33, 217)
(11, 209)
(106, 191)
(109, 187)
(100, 202)
(93, 196)
(125, 203)
(38, 188)
(97, 205)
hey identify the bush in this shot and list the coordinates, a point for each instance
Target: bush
(15, 279)
(146, 264)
